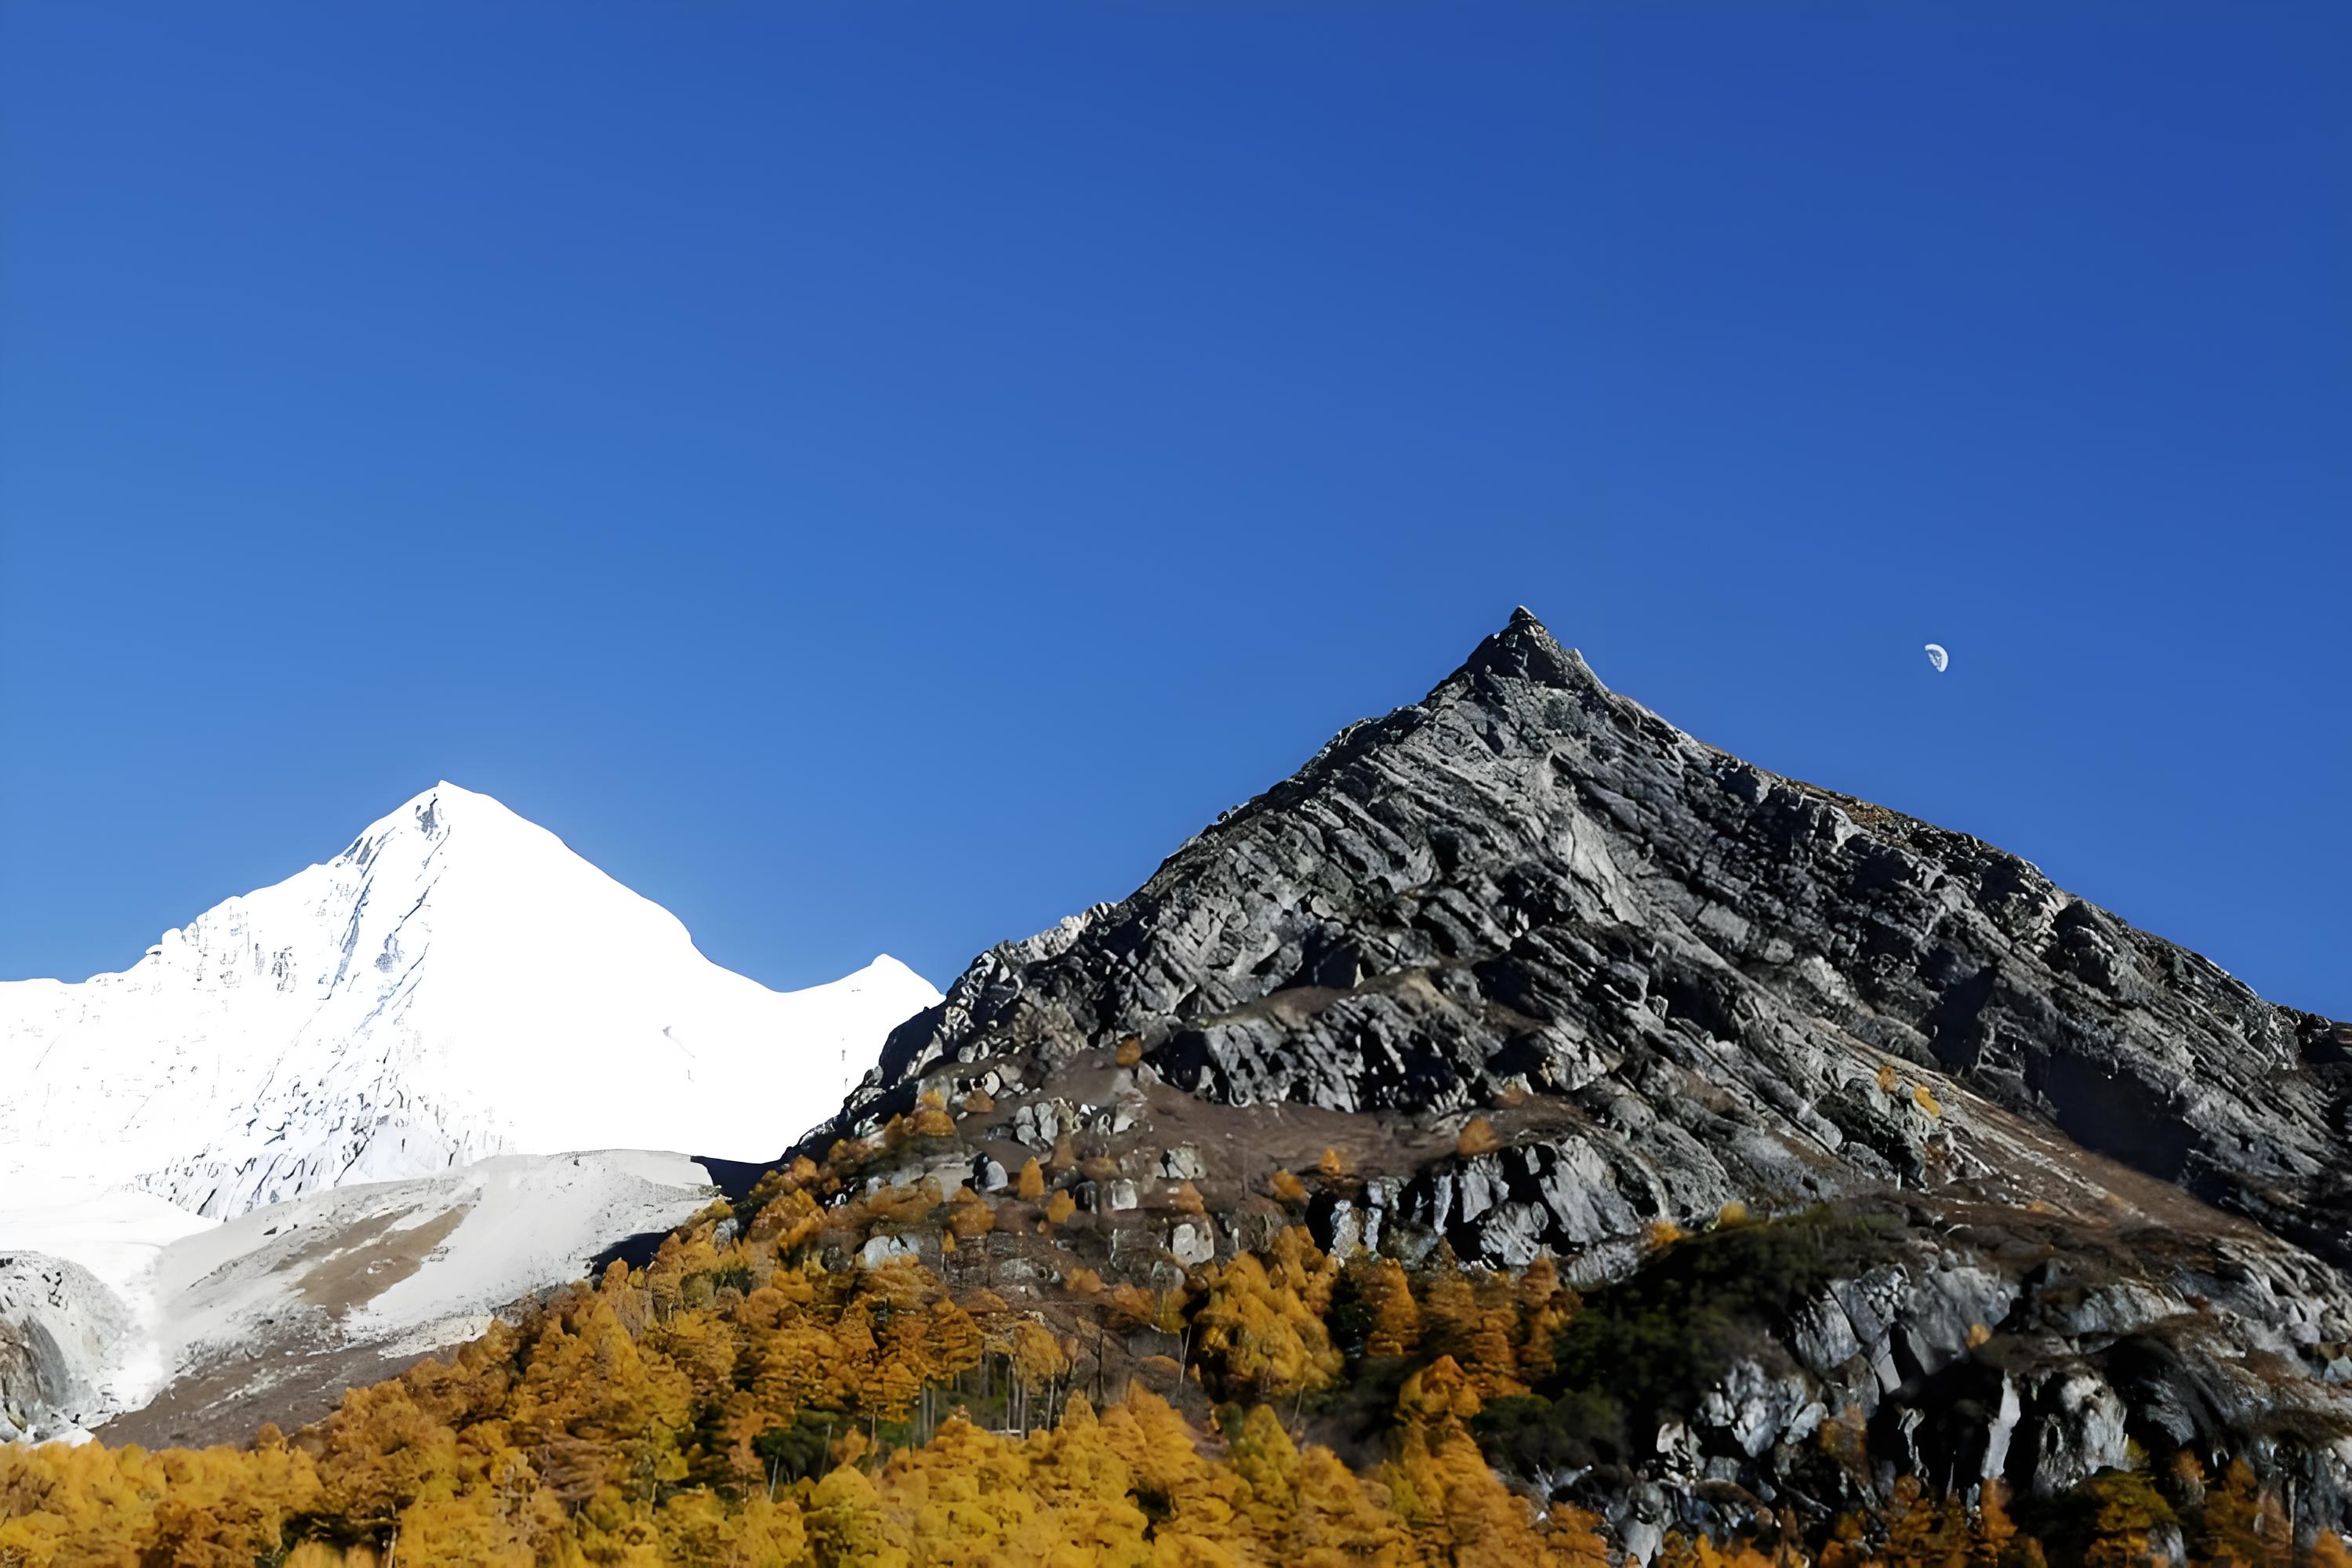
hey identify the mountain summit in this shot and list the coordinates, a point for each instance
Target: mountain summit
(1522, 971)
(455, 983)
(1527, 883)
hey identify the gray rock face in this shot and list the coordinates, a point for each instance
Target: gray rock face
(58, 1323)
(1679, 982)
(1525, 881)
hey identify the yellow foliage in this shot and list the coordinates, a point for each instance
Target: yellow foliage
(1130, 1051)
(1031, 1183)
(1457, 1509)
(1333, 1166)
(1922, 1097)
(630, 1422)
(1545, 1307)
(970, 1215)
(1060, 1208)
(903, 1205)
(1133, 1306)
(1478, 1136)
(1289, 1187)
(1036, 1355)
(1381, 1285)
(1887, 1077)
(1439, 1391)
(1263, 1323)
(1473, 1318)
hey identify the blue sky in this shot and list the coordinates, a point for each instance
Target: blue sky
(880, 477)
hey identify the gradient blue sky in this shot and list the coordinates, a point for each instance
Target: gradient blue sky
(878, 477)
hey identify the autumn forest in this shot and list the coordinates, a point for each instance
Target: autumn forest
(737, 1402)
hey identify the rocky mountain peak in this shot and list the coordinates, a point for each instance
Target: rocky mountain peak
(1524, 650)
(1536, 974)
(1526, 883)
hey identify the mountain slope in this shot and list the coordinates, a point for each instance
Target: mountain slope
(2101, 1181)
(125, 1314)
(455, 983)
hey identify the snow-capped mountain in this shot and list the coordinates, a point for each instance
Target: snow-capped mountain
(456, 983)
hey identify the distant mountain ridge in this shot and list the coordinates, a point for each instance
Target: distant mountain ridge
(455, 983)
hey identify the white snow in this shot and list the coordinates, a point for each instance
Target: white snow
(454, 984)
(116, 1234)
(522, 1222)
(278, 1295)
(415, 1034)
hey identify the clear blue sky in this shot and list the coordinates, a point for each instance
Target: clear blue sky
(878, 477)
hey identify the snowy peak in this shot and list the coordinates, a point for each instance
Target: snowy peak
(303, 935)
(455, 983)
